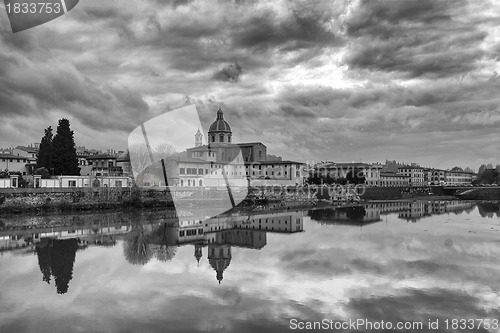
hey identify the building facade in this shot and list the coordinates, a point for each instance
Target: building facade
(392, 179)
(371, 172)
(15, 163)
(417, 175)
(100, 165)
(222, 162)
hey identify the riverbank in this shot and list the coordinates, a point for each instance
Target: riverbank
(47, 201)
(40, 201)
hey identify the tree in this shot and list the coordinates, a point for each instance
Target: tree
(355, 176)
(140, 160)
(481, 169)
(56, 259)
(45, 157)
(43, 171)
(64, 151)
(488, 176)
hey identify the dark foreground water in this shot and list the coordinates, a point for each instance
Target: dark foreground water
(403, 263)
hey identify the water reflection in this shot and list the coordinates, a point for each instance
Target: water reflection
(56, 247)
(119, 273)
(56, 258)
(218, 235)
(411, 211)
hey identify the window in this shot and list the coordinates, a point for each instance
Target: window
(201, 182)
(213, 138)
(221, 138)
(181, 171)
(200, 171)
(229, 139)
(72, 183)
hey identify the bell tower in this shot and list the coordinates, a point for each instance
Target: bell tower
(198, 139)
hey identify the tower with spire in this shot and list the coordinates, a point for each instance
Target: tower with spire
(198, 139)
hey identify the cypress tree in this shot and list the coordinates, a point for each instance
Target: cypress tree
(64, 150)
(44, 158)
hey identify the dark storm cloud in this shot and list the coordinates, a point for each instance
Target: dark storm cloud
(230, 73)
(416, 38)
(298, 31)
(415, 70)
(377, 17)
(52, 86)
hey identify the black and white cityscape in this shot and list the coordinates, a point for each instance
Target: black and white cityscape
(249, 166)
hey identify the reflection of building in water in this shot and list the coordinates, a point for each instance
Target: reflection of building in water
(221, 233)
(419, 209)
(354, 215)
(94, 235)
(391, 207)
(416, 210)
(219, 257)
(196, 229)
(56, 247)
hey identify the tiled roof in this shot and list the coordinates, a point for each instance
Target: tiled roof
(275, 162)
(13, 157)
(100, 157)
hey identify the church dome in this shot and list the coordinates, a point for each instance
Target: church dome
(219, 125)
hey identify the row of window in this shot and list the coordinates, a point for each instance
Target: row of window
(191, 182)
(11, 160)
(190, 232)
(192, 171)
(221, 138)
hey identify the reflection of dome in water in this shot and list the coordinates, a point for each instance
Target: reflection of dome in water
(219, 257)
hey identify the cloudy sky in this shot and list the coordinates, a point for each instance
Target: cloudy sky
(412, 80)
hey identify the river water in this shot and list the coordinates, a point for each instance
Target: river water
(404, 263)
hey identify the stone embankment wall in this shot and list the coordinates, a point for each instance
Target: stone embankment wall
(31, 200)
